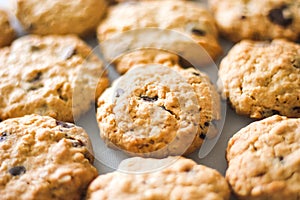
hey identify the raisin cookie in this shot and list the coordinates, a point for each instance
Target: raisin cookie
(59, 16)
(42, 158)
(267, 19)
(263, 160)
(156, 111)
(186, 18)
(184, 180)
(261, 79)
(7, 33)
(51, 75)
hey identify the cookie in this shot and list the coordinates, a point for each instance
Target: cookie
(263, 160)
(42, 158)
(187, 19)
(184, 179)
(156, 111)
(261, 79)
(145, 56)
(263, 20)
(51, 75)
(7, 33)
(60, 17)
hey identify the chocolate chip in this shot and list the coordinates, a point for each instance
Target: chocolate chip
(119, 92)
(276, 16)
(36, 77)
(206, 124)
(280, 158)
(16, 171)
(64, 124)
(3, 136)
(202, 136)
(149, 99)
(198, 32)
(243, 17)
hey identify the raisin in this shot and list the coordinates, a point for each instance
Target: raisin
(198, 32)
(276, 16)
(149, 99)
(119, 92)
(16, 171)
(64, 124)
(3, 136)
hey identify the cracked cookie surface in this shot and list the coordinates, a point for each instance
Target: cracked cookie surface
(184, 17)
(184, 179)
(42, 158)
(263, 20)
(44, 75)
(261, 79)
(263, 160)
(156, 111)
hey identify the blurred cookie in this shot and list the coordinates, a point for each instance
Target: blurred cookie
(52, 75)
(263, 20)
(187, 19)
(184, 179)
(261, 79)
(263, 160)
(156, 111)
(42, 158)
(7, 33)
(60, 17)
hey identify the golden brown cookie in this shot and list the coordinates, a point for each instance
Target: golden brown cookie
(52, 75)
(156, 111)
(42, 158)
(59, 16)
(7, 33)
(183, 179)
(264, 160)
(258, 20)
(261, 79)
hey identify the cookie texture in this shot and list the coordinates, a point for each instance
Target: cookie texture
(184, 180)
(42, 158)
(156, 111)
(145, 56)
(187, 18)
(51, 75)
(7, 33)
(263, 160)
(261, 79)
(263, 20)
(60, 17)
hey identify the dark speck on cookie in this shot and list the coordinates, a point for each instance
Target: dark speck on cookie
(277, 16)
(16, 171)
(149, 99)
(198, 32)
(36, 77)
(64, 124)
(119, 92)
(3, 136)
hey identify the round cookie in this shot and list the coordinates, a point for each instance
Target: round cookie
(186, 18)
(51, 75)
(263, 20)
(184, 180)
(145, 56)
(156, 111)
(263, 160)
(59, 16)
(7, 33)
(42, 158)
(261, 79)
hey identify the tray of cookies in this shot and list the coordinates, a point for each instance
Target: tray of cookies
(149, 99)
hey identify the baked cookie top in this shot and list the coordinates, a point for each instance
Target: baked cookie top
(262, 78)
(52, 75)
(188, 18)
(7, 33)
(258, 20)
(156, 111)
(263, 160)
(184, 179)
(42, 158)
(59, 16)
